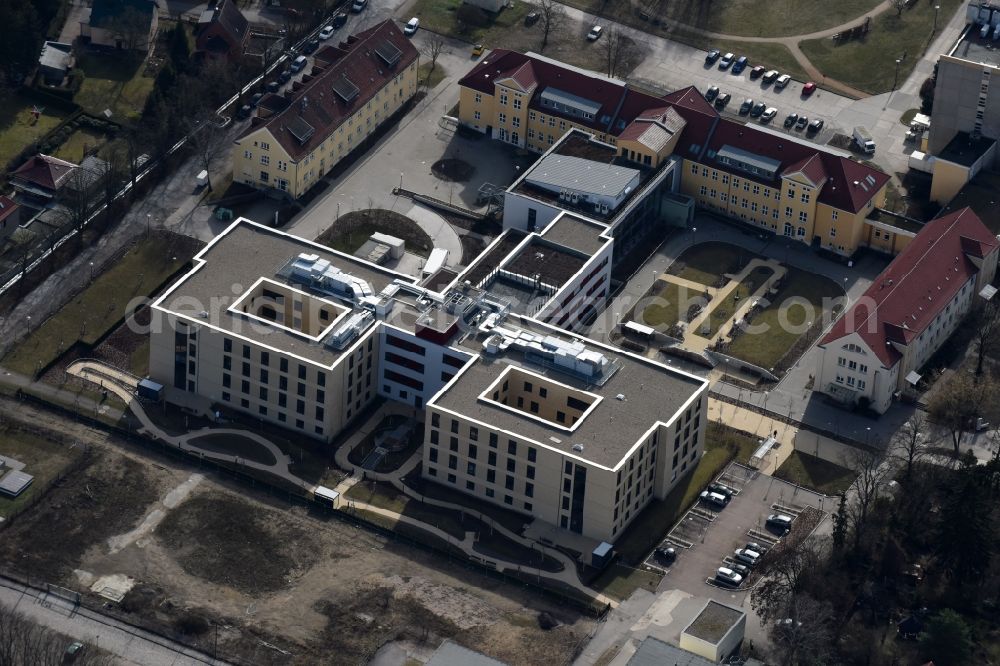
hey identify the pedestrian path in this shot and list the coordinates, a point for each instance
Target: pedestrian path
(124, 386)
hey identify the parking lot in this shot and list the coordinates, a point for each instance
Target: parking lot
(707, 537)
(687, 66)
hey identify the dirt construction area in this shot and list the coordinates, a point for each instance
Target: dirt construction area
(178, 550)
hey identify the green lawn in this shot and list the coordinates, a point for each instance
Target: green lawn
(43, 459)
(705, 263)
(766, 348)
(96, 309)
(82, 139)
(113, 82)
(18, 130)
(869, 64)
(666, 311)
(440, 16)
(619, 581)
(811, 472)
(751, 18)
(431, 78)
(722, 444)
(734, 300)
(352, 230)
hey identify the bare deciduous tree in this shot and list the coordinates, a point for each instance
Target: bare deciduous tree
(872, 473)
(130, 28)
(805, 635)
(433, 48)
(899, 6)
(619, 52)
(208, 143)
(782, 572)
(553, 17)
(907, 443)
(23, 642)
(956, 405)
(987, 322)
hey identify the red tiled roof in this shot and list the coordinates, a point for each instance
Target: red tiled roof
(917, 285)
(45, 171)
(317, 103)
(7, 207)
(838, 173)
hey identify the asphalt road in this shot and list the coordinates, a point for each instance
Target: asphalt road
(130, 644)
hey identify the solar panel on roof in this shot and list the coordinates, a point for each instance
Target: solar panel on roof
(345, 89)
(300, 129)
(389, 52)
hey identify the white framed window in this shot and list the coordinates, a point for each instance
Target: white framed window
(503, 99)
(702, 190)
(833, 215)
(788, 211)
(265, 146)
(477, 115)
(515, 121)
(517, 102)
(805, 197)
(803, 216)
(479, 98)
(503, 118)
(833, 233)
(265, 160)
(247, 155)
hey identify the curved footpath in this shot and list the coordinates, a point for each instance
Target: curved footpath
(124, 385)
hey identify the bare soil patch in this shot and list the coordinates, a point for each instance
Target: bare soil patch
(222, 539)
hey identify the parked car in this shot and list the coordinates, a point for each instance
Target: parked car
(768, 115)
(808, 89)
(477, 50)
(746, 106)
(715, 499)
(712, 93)
(73, 652)
(531, 18)
(595, 33)
(790, 119)
(780, 522)
(770, 76)
(285, 76)
(727, 576)
(255, 100)
(326, 33)
(801, 123)
(726, 61)
(756, 547)
(782, 81)
(757, 72)
(712, 56)
(666, 555)
(741, 569)
(359, 5)
(815, 126)
(411, 26)
(244, 112)
(747, 557)
(740, 64)
(721, 489)
(273, 86)
(339, 19)
(722, 100)
(298, 64)
(310, 46)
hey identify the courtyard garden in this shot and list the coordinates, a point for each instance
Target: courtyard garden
(727, 307)
(706, 263)
(351, 230)
(793, 320)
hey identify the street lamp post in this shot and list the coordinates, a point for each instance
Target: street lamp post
(895, 78)
(937, 8)
(149, 219)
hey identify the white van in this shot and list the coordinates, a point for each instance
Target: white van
(298, 64)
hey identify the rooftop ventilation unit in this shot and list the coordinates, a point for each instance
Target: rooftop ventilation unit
(578, 447)
(320, 275)
(349, 330)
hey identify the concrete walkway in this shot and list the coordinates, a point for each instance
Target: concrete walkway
(124, 386)
(439, 230)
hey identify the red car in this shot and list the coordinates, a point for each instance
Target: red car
(808, 89)
(756, 72)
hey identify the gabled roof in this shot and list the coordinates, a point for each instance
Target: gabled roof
(319, 105)
(917, 285)
(229, 16)
(45, 171)
(103, 11)
(654, 128)
(835, 174)
(7, 207)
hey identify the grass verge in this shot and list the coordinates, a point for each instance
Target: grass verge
(98, 307)
(619, 581)
(869, 63)
(431, 77)
(722, 444)
(820, 475)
